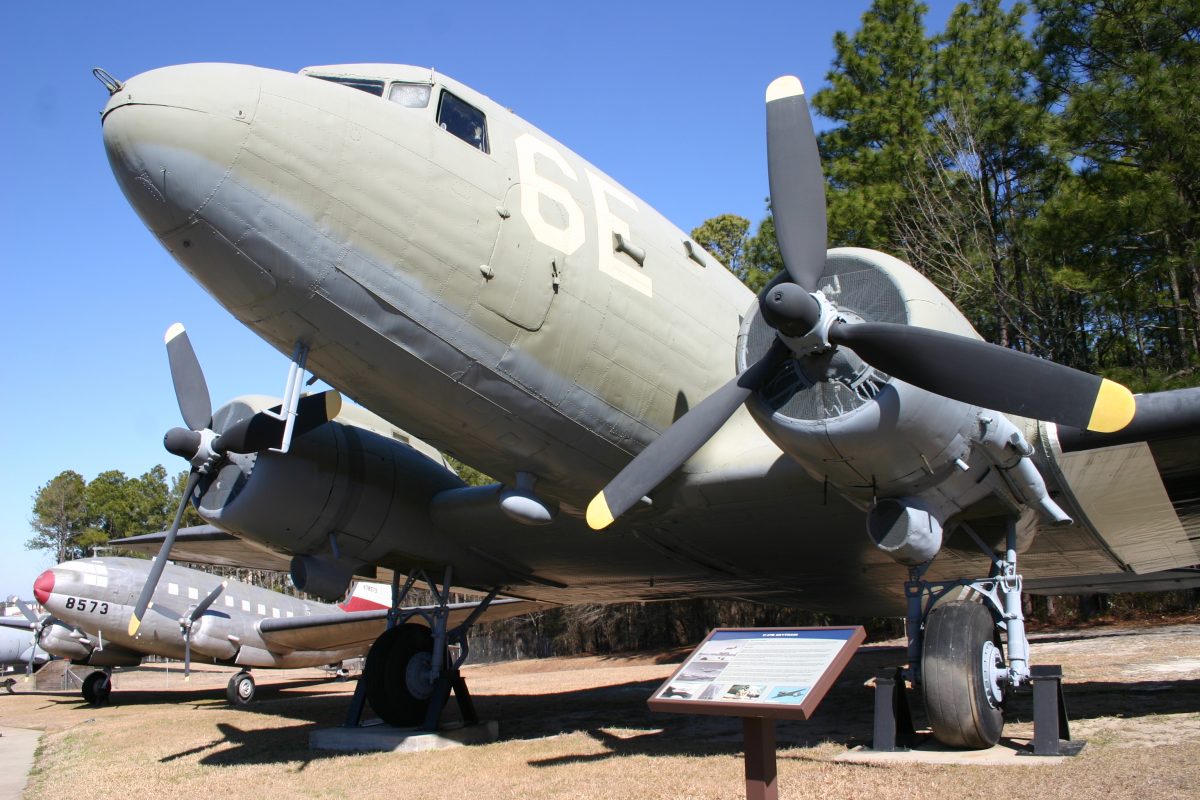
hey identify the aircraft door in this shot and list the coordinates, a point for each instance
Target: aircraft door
(524, 273)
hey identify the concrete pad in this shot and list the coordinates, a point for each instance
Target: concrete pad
(17, 746)
(1009, 752)
(378, 737)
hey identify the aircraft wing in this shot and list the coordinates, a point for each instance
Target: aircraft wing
(345, 629)
(208, 544)
(1166, 581)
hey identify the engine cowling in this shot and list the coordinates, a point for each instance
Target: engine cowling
(915, 459)
(343, 489)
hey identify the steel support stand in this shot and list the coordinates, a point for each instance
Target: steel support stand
(358, 703)
(761, 783)
(1051, 731)
(894, 729)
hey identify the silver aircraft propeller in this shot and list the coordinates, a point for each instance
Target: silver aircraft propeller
(205, 447)
(37, 625)
(968, 370)
(188, 620)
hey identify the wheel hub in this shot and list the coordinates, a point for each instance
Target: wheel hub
(416, 675)
(994, 673)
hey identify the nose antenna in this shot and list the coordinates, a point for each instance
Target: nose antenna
(112, 84)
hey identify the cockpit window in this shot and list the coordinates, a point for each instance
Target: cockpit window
(410, 95)
(463, 120)
(368, 85)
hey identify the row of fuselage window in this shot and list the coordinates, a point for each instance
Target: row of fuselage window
(231, 602)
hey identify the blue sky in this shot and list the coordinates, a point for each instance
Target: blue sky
(666, 97)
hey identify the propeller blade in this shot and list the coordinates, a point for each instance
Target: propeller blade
(208, 600)
(187, 622)
(990, 376)
(797, 184)
(677, 443)
(160, 561)
(191, 390)
(27, 612)
(261, 431)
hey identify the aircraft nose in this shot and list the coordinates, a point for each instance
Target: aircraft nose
(43, 586)
(172, 135)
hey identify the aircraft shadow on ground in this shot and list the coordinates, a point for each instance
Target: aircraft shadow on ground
(617, 718)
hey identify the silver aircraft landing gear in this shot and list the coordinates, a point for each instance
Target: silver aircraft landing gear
(240, 690)
(411, 670)
(956, 652)
(97, 687)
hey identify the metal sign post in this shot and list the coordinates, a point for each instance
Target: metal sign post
(760, 675)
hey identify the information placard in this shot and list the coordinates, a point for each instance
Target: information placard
(759, 672)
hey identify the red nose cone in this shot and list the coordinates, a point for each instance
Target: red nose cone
(43, 586)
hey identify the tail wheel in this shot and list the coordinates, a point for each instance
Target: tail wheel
(397, 674)
(961, 667)
(96, 688)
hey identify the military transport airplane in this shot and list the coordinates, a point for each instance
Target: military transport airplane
(196, 614)
(422, 249)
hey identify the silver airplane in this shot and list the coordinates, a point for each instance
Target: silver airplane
(196, 615)
(844, 441)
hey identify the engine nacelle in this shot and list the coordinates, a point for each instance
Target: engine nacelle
(873, 437)
(63, 642)
(338, 490)
(847, 422)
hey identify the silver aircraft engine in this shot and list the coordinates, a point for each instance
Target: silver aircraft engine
(341, 497)
(65, 643)
(913, 459)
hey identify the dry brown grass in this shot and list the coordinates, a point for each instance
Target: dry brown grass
(580, 728)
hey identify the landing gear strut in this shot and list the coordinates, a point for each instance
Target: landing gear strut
(955, 649)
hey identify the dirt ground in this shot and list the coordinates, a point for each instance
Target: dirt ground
(579, 727)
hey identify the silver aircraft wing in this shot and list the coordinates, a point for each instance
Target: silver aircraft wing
(19, 623)
(338, 630)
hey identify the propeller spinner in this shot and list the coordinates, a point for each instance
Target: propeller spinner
(956, 367)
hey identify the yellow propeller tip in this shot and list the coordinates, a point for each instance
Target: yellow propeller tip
(134, 624)
(598, 515)
(333, 404)
(173, 331)
(1114, 408)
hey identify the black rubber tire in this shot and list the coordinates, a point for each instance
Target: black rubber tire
(240, 689)
(956, 702)
(96, 688)
(389, 692)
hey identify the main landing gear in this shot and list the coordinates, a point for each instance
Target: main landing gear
(957, 654)
(240, 689)
(97, 687)
(410, 671)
